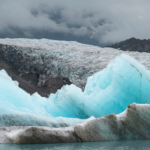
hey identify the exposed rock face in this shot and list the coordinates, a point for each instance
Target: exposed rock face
(134, 123)
(133, 44)
(69, 62)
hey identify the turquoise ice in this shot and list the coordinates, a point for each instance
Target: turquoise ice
(111, 90)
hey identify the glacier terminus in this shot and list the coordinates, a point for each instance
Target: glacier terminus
(108, 99)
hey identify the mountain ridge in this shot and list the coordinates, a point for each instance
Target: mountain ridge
(133, 44)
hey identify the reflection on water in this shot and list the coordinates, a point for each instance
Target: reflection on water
(113, 145)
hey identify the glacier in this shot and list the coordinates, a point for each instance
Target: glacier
(111, 90)
(63, 59)
(114, 104)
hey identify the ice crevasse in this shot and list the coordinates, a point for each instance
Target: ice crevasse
(111, 90)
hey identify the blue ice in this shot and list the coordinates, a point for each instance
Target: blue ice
(123, 82)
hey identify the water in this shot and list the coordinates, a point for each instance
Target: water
(113, 145)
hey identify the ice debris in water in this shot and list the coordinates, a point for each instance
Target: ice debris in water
(123, 82)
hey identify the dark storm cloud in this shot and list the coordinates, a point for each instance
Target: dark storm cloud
(98, 22)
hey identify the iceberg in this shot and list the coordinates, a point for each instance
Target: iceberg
(111, 90)
(97, 113)
(123, 82)
(18, 108)
(132, 124)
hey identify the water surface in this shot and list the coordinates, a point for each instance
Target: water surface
(112, 145)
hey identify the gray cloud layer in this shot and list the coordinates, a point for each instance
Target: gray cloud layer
(98, 22)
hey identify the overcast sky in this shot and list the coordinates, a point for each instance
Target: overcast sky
(98, 22)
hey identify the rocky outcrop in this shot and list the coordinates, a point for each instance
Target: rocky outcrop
(133, 123)
(133, 44)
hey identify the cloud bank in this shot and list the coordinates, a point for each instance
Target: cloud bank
(98, 22)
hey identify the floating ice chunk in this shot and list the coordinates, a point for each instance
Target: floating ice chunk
(133, 123)
(123, 82)
(111, 90)
(21, 119)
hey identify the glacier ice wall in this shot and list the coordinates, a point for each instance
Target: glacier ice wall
(63, 59)
(111, 90)
(123, 82)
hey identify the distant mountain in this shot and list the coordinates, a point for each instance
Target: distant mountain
(133, 44)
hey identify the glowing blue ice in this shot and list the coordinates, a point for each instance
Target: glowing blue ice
(123, 82)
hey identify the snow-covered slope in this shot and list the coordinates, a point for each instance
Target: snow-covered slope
(61, 58)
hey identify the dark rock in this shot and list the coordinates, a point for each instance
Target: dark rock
(133, 44)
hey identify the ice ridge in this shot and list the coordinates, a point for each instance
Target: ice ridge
(111, 90)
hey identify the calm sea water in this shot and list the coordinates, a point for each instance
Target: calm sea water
(117, 145)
